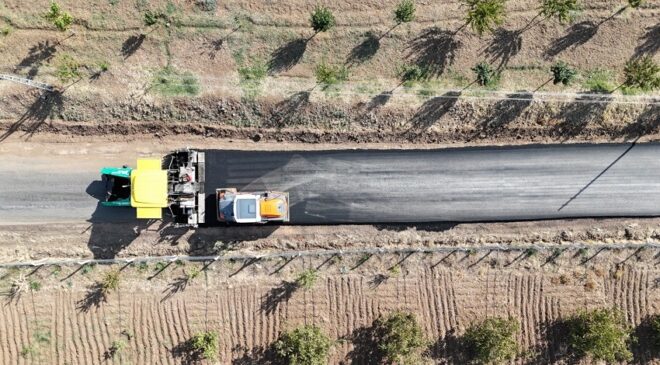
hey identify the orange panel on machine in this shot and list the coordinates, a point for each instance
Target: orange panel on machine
(272, 208)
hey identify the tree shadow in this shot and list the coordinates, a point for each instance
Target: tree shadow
(651, 42)
(503, 112)
(578, 114)
(365, 50)
(366, 348)
(505, 45)
(286, 111)
(187, 352)
(433, 50)
(256, 355)
(212, 47)
(36, 114)
(577, 35)
(431, 111)
(37, 55)
(93, 298)
(287, 56)
(646, 349)
(178, 285)
(378, 101)
(555, 347)
(277, 295)
(449, 348)
(132, 44)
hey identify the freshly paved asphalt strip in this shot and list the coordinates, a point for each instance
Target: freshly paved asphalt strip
(371, 186)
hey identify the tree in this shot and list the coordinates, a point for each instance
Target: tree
(401, 337)
(602, 334)
(306, 345)
(486, 75)
(493, 340)
(205, 345)
(322, 19)
(642, 73)
(61, 19)
(562, 73)
(484, 15)
(404, 12)
(655, 331)
(564, 10)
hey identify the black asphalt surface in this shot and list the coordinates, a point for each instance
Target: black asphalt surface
(457, 185)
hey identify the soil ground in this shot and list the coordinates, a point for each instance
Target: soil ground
(159, 306)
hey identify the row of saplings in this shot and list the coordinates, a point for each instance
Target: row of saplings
(598, 335)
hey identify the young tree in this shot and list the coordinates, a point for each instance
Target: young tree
(307, 279)
(562, 73)
(306, 345)
(602, 334)
(404, 12)
(330, 75)
(484, 15)
(563, 10)
(642, 73)
(61, 19)
(493, 340)
(401, 337)
(322, 19)
(486, 75)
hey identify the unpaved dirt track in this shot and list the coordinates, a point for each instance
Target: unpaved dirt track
(367, 186)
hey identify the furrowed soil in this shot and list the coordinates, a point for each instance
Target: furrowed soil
(66, 319)
(248, 70)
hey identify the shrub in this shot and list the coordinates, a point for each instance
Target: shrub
(484, 15)
(61, 19)
(635, 3)
(66, 70)
(322, 19)
(104, 66)
(35, 285)
(254, 72)
(330, 75)
(306, 345)
(405, 11)
(642, 73)
(110, 281)
(601, 334)
(486, 75)
(493, 340)
(401, 337)
(562, 73)
(600, 81)
(5, 31)
(655, 330)
(116, 347)
(171, 82)
(207, 5)
(564, 10)
(307, 278)
(205, 345)
(411, 73)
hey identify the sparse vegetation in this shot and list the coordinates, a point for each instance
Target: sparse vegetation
(642, 73)
(255, 72)
(205, 345)
(170, 82)
(104, 66)
(485, 74)
(562, 73)
(60, 19)
(410, 74)
(192, 274)
(484, 15)
(5, 31)
(116, 348)
(67, 68)
(330, 75)
(306, 345)
(601, 334)
(563, 10)
(402, 338)
(493, 340)
(599, 81)
(207, 5)
(404, 12)
(87, 268)
(307, 279)
(322, 19)
(28, 351)
(34, 285)
(635, 3)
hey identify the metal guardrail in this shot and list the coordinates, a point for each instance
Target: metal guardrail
(26, 81)
(338, 252)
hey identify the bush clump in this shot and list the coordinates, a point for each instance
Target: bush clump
(322, 19)
(67, 68)
(110, 281)
(61, 19)
(486, 75)
(330, 75)
(307, 279)
(401, 337)
(411, 73)
(562, 73)
(493, 340)
(171, 82)
(642, 73)
(205, 345)
(306, 345)
(404, 12)
(601, 334)
(563, 10)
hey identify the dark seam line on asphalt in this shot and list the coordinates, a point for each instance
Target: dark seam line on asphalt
(599, 175)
